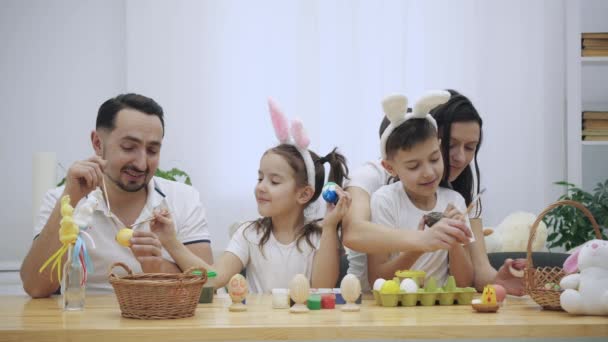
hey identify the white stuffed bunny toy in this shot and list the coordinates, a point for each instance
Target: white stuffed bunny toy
(586, 293)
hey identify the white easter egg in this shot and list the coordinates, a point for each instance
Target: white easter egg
(408, 285)
(378, 284)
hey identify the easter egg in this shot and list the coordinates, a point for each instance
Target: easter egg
(378, 284)
(408, 285)
(390, 287)
(329, 193)
(123, 237)
(501, 293)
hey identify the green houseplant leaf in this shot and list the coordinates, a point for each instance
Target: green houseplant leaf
(568, 226)
(174, 174)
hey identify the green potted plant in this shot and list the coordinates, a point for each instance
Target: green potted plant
(174, 174)
(568, 226)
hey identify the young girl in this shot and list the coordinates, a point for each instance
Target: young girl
(411, 152)
(283, 242)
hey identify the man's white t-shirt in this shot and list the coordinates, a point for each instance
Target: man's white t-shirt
(391, 206)
(278, 264)
(183, 202)
(370, 177)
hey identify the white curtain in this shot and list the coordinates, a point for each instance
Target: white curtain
(212, 64)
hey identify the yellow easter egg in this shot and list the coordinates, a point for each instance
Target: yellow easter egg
(123, 236)
(390, 287)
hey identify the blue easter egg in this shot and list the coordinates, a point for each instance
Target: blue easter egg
(329, 193)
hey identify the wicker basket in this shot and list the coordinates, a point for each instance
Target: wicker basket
(536, 278)
(157, 295)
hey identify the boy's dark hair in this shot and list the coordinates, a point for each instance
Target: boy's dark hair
(338, 170)
(408, 135)
(458, 109)
(106, 116)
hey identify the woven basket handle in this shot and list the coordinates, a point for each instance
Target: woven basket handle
(192, 269)
(123, 265)
(575, 204)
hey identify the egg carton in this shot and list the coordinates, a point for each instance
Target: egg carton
(459, 296)
(427, 296)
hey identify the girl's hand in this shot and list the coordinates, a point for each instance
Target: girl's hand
(336, 212)
(163, 225)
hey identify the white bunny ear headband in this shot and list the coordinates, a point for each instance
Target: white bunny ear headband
(395, 108)
(297, 138)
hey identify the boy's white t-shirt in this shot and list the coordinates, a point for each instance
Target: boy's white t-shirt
(279, 263)
(392, 207)
(370, 177)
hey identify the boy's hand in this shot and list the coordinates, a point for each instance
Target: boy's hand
(453, 213)
(445, 234)
(336, 212)
(163, 225)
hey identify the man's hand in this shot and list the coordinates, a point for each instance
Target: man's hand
(83, 177)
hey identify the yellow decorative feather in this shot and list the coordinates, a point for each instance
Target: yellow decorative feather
(68, 233)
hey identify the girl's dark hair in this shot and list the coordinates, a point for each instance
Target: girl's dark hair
(338, 171)
(458, 109)
(408, 135)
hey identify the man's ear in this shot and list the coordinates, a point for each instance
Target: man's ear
(97, 143)
(305, 194)
(388, 166)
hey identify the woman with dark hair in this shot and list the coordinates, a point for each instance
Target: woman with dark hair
(460, 130)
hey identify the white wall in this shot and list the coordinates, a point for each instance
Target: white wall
(212, 64)
(59, 61)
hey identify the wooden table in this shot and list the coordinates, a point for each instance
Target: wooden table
(24, 319)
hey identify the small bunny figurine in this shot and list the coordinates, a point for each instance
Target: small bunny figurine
(586, 292)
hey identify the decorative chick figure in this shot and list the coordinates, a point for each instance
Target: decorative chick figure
(488, 302)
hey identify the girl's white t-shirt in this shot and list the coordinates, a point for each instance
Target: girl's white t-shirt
(279, 263)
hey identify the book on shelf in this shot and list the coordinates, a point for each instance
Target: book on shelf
(594, 52)
(595, 115)
(595, 132)
(595, 138)
(595, 43)
(595, 124)
(595, 35)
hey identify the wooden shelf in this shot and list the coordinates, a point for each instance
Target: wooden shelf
(594, 60)
(594, 143)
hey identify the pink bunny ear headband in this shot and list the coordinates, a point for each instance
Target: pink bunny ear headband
(395, 108)
(297, 138)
